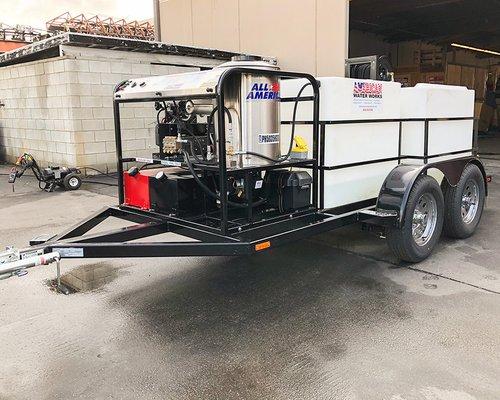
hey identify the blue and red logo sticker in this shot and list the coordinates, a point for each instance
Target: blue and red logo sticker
(369, 90)
(264, 91)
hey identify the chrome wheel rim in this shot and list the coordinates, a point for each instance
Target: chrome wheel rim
(73, 182)
(424, 219)
(470, 201)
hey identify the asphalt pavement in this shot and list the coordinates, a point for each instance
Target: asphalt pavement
(330, 317)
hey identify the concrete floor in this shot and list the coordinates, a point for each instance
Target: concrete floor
(332, 317)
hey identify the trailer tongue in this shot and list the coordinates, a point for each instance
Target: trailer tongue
(15, 262)
(247, 159)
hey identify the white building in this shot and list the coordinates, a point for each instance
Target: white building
(56, 96)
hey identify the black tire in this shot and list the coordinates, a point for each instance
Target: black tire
(456, 225)
(401, 240)
(72, 181)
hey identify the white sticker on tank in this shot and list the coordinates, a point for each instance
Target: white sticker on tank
(30, 254)
(144, 160)
(269, 138)
(367, 96)
(170, 163)
(69, 251)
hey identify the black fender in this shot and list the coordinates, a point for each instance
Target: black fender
(393, 195)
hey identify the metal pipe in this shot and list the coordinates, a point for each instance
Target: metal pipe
(222, 157)
(119, 152)
(314, 84)
(58, 261)
(157, 20)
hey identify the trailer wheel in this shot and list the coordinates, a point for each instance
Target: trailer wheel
(464, 203)
(72, 181)
(422, 224)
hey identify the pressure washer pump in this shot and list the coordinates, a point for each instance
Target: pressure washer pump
(48, 178)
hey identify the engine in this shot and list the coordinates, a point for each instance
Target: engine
(188, 135)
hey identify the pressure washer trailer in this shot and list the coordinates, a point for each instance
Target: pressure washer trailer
(249, 157)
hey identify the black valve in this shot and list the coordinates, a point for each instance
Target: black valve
(133, 171)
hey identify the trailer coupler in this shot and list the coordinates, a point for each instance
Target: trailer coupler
(16, 262)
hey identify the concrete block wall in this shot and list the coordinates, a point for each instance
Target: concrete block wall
(60, 109)
(34, 115)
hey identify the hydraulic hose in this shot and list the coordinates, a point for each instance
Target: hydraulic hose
(28, 161)
(188, 129)
(210, 121)
(251, 153)
(185, 125)
(294, 117)
(209, 192)
(226, 110)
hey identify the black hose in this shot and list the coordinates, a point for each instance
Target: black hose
(226, 110)
(158, 116)
(197, 142)
(183, 124)
(146, 165)
(99, 183)
(294, 116)
(210, 121)
(110, 175)
(292, 136)
(251, 153)
(207, 190)
(28, 161)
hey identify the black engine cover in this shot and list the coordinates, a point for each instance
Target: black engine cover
(288, 190)
(176, 194)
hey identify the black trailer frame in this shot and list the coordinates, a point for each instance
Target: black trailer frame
(227, 238)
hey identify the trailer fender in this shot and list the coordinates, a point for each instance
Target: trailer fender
(393, 195)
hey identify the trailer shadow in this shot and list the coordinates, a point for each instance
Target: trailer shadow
(275, 317)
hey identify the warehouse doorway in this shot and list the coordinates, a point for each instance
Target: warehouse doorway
(454, 42)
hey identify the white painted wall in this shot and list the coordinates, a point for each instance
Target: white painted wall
(306, 35)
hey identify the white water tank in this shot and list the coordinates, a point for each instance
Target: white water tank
(446, 136)
(352, 142)
(350, 100)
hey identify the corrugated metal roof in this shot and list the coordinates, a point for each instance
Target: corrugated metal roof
(50, 48)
